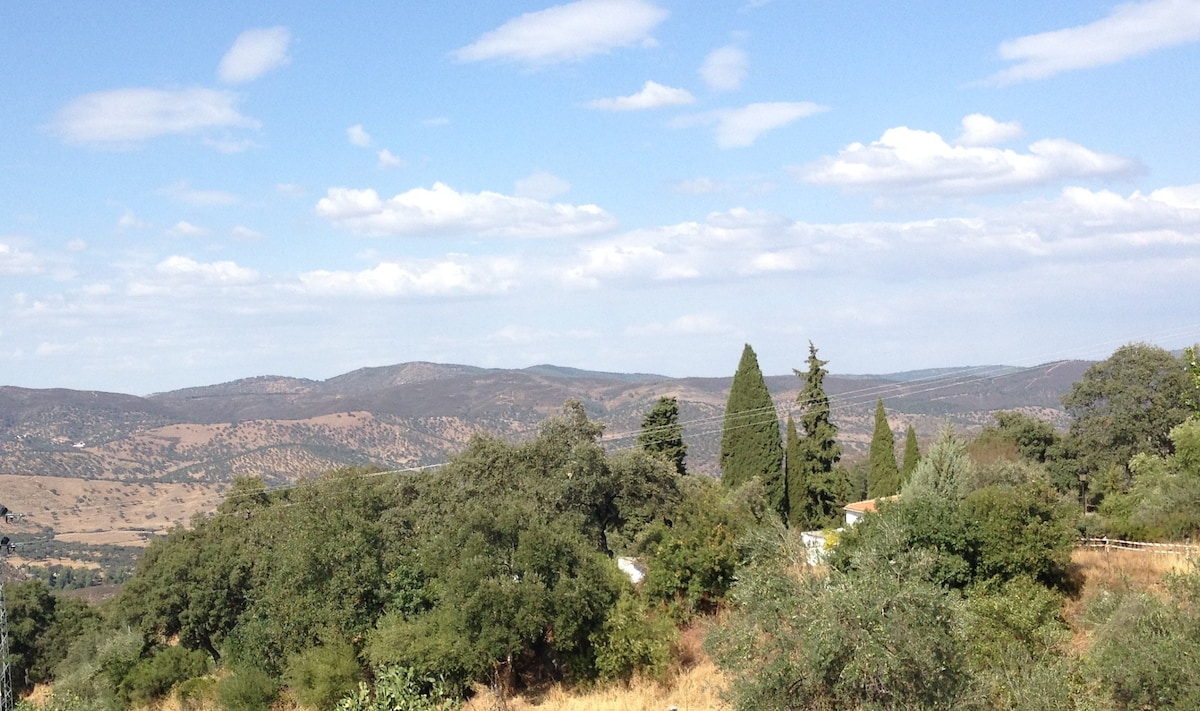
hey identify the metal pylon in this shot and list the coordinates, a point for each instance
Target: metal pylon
(6, 693)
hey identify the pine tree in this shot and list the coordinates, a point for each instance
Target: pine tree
(662, 434)
(883, 476)
(912, 456)
(820, 451)
(750, 441)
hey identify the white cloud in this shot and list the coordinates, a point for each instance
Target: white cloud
(130, 220)
(541, 185)
(217, 273)
(15, 261)
(184, 193)
(906, 159)
(738, 128)
(186, 229)
(652, 96)
(724, 68)
(981, 130)
(686, 325)
(699, 186)
(568, 32)
(358, 136)
(77, 245)
(454, 276)
(245, 233)
(387, 159)
(254, 53)
(442, 210)
(132, 115)
(1130, 30)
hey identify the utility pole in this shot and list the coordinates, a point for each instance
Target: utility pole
(6, 687)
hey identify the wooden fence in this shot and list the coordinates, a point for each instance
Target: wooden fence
(1114, 544)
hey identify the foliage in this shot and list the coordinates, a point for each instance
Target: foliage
(662, 434)
(1127, 405)
(876, 635)
(154, 677)
(751, 445)
(633, 639)
(41, 628)
(247, 689)
(1145, 646)
(1163, 502)
(883, 478)
(818, 490)
(944, 470)
(401, 689)
(912, 456)
(696, 558)
(321, 675)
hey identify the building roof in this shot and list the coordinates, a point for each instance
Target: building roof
(868, 505)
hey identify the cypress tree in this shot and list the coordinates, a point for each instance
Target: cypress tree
(750, 442)
(795, 483)
(820, 451)
(912, 455)
(883, 476)
(662, 434)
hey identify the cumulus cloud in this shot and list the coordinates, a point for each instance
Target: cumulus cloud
(358, 136)
(652, 96)
(541, 185)
(569, 32)
(906, 159)
(741, 127)
(133, 115)
(443, 210)
(981, 130)
(387, 159)
(1130, 30)
(217, 273)
(456, 275)
(183, 192)
(254, 53)
(724, 68)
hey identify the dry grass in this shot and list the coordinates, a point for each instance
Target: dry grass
(1126, 570)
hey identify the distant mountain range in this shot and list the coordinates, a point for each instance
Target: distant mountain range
(414, 414)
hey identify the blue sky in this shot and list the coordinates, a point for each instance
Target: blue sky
(194, 194)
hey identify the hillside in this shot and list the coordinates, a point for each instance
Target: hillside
(93, 467)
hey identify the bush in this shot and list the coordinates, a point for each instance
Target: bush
(633, 639)
(402, 689)
(154, 677)
(246, 689)
(320, 676)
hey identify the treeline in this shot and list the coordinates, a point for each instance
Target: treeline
(363, 590)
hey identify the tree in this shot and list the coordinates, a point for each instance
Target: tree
(795, 483)
(662, 434)
(912, 455)
(751, 445)
(816, 480)
(883, 477)
(943, 471)
(1127, 405)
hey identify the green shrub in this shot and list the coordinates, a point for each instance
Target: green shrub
(247, 689)
(154, 677)
(633, 639)
(402, 689)
(195, 694)
(320, 676)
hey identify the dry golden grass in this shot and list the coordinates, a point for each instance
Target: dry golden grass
(1125, 569)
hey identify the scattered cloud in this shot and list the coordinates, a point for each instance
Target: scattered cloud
(906, 159)
(15, 261)
(290, 189)
(652, 96)
(541, 185)
(456, 275)
(254, 53)
(246, 234)
(699, 186)
(724, 68)
(981, 130)
(442, 210)
(741, 127)
(124, 116)
(358, 136)
(1130, 30)
(76, 245)
(186, 229)
(218, 273)
(387, 159)
(184, 193)
(129, 220)
(569, 32)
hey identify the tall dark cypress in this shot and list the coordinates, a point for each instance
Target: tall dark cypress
(662, 434)
(883, 476)
(820, 449)
(912, 456)
(750, 442)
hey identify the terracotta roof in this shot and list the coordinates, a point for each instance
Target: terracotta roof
(868, 505)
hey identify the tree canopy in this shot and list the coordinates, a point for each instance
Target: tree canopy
(751, 445)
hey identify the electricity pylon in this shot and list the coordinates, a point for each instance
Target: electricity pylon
(6, 687)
